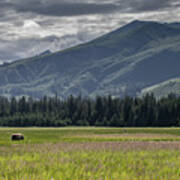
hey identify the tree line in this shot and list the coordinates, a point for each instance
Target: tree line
(101, 111)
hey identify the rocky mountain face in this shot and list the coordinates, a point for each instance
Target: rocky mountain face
(123, 62)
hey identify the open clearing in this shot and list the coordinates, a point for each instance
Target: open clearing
(90, 153)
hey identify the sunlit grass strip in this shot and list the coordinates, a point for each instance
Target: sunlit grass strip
(89, 139)
(85, 165)
(55, 135)
(71, 139)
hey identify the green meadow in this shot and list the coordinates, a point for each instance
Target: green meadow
(90, 154)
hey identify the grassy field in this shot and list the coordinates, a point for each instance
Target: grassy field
(90, 154)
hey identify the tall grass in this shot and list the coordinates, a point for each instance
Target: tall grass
(90, 154)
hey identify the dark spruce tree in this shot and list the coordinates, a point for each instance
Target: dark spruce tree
(101, 111)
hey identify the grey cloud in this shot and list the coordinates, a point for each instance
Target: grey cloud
(61, 8)
(71, 8)
(5, 4)
(66, 23)
(151, 5)
(28, 47)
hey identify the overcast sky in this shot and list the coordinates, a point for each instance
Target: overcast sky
(28, 27)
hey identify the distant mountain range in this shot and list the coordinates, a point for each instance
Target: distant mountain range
(123, 62)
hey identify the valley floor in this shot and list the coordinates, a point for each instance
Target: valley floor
(90, 153)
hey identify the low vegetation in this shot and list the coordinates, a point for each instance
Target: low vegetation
(90, 153)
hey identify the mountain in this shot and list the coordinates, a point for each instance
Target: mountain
(47, 52)
(164, 89)
(123, 62)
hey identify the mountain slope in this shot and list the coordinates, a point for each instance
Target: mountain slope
(163, 89)
(122, 62)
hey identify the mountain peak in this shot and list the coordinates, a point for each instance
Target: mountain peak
(132, 25)
(45, 53)
(123, 62)
(138, 22)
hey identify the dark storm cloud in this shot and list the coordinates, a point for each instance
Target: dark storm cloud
(70, 9)
(150, 5)
(5, 4)
(81, 7)
(4, 7)
(28, 27)
(59, 8)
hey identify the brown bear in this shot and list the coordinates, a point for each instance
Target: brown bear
(17, 137)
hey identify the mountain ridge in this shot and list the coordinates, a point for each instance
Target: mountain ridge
(118, 63)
